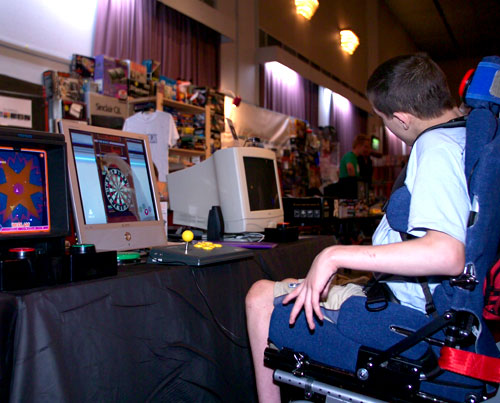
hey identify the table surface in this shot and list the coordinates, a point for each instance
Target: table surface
(151, 333)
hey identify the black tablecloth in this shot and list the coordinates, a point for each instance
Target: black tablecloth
(152, 333)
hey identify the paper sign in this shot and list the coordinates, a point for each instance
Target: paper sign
(15, 112)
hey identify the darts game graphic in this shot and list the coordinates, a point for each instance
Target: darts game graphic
(23, 191)
(116, 178)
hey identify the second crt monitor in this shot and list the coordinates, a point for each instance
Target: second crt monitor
(243, 181)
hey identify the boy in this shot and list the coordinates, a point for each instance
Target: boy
(411, 96)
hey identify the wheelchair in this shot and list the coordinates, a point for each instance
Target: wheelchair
(396, 353)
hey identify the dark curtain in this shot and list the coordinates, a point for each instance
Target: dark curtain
(147, 29)
(347, 118)
(393, 145)
(289, 93)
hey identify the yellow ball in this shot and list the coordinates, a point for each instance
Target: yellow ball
(187, 236)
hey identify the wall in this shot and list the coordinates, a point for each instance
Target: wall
(43, 34)
(38, 35)
(318, 39)
(239, 71)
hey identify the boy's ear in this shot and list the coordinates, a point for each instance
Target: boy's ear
(404, 119)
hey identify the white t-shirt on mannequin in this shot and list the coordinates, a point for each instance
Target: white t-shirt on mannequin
(160, 127)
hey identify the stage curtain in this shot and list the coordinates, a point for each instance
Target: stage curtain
(287, 92)
(147, 29)
(347, 118)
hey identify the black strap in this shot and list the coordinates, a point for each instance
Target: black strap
(400, 180)
(378, 295)
(430, 308)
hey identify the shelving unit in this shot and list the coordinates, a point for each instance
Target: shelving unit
(160, 102)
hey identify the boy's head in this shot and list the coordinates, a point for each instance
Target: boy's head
(413, 84)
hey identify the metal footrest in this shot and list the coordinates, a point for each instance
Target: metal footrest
(331, 393)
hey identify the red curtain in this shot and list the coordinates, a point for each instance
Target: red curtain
(147, 29)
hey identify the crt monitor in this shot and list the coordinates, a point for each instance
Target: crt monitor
(113, 188)
(34, 197)
(243, 181)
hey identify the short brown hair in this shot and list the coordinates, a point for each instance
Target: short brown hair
(360, 139)
(411, 83)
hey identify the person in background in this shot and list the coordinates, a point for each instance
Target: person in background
(349, 166)
(162, 186)
(365, 163)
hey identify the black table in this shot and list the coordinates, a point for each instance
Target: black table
(152, 333)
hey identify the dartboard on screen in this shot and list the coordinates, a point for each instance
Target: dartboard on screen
(117, 189)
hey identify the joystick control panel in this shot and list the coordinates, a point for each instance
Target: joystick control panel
(198, 254)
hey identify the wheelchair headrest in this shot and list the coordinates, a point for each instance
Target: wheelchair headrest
(483, 88)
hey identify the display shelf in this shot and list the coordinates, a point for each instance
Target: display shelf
(161, 102)
(187, 151)
(183, 107)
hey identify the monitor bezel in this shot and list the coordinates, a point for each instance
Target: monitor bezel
(234, 212)
(220, 180)
(113, 236)
(54, 144)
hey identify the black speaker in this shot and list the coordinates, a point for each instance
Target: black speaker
(215, 230)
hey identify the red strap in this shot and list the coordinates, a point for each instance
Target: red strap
(470, 364)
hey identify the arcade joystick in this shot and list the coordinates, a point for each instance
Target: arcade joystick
(22, 253)
(82, 249)
(282, 233)
(187, 236)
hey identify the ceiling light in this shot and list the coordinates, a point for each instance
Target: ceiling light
(348, 41)
(306, 8)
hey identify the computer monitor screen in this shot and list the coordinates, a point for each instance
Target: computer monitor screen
(243, 181)
(261, 183)
(34, 196)
(113, 187)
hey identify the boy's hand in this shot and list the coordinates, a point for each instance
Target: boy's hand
(314, 287)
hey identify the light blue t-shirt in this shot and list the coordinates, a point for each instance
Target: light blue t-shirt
(439, 199)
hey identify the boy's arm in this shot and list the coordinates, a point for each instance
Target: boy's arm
(436, 253)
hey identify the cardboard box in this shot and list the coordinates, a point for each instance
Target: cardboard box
(111, 76)
(216, 101)
(217, 123)
(61, 85)
(102, 105)
(137, 89)
(137, 72)
(74, 110)
(152, 69)
(106, 111)
(169, 87)
(199, 96)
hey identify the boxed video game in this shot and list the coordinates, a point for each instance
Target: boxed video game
(152, 69)
(137, 72)
(111, 76)
(169, 88)
(199, 96)
(216, 101)
(83, 65)
(61, 85)
(137, 89)
(217, 122)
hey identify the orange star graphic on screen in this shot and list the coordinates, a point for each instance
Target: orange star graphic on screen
(18, 189)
